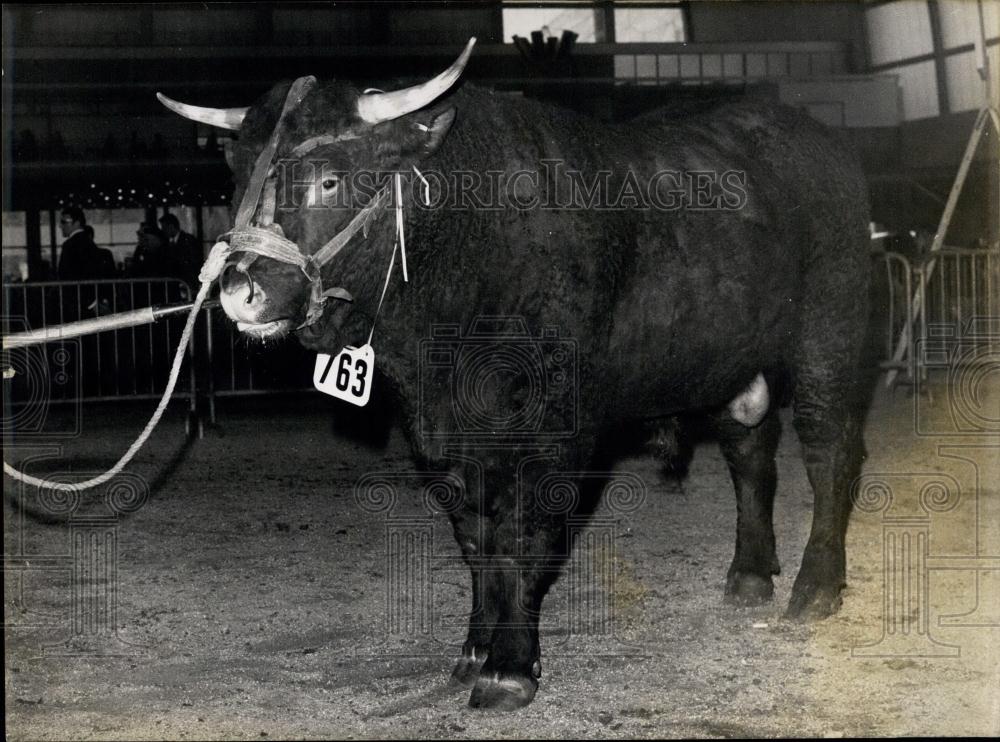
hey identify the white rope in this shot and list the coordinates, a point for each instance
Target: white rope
(209, 272)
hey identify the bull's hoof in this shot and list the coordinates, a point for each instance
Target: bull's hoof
(466, 670)
(748, 589)
(813, 603)
(503, 691)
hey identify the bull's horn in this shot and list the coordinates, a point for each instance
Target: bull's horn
(376, 107)
(224, 118)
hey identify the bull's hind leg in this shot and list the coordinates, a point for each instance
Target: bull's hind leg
(827, 418)
(749, 452)
(832, 449)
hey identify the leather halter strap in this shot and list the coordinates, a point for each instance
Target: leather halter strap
(267, 239)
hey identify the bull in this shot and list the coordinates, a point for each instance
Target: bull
(669, 309)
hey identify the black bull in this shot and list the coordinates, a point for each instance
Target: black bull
(660, 308)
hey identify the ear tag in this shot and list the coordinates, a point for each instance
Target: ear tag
(347, 375)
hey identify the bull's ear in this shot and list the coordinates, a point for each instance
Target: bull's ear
(427, 137)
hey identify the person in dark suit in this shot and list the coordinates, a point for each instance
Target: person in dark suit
(104, 259)
(78, 259)
(185, 249)
(152, 258)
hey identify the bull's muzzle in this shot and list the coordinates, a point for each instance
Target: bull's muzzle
(242, 298)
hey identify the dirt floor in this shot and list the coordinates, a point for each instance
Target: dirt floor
(253, 596)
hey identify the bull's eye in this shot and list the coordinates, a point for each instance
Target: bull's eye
(329, 184)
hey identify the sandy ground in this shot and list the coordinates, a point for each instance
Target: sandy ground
(251, 593)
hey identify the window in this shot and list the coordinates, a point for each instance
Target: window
(634, 21)
(638, 23)
(960, 21)
(898, 30)
(15, 256)
(934, 51)
(580, 18)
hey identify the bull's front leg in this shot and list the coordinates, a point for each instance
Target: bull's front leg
(474, 535)
(528, 552)
(528, 545)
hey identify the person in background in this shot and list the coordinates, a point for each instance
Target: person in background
(104, 268)
(104, 259)
(185, 249)
(151, 258)
(78, 256)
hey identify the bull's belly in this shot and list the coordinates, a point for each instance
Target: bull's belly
(657, 390)
(667, 358)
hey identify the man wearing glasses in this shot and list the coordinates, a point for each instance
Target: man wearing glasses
(78, 257)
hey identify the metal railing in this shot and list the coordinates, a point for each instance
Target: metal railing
(238, 366)
(891, 311)
(962, 284)
(957, 305)
(132, 363)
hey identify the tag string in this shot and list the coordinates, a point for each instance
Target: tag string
(385, 287)
(399, 243)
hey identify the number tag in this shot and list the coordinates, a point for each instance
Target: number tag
(346, 376)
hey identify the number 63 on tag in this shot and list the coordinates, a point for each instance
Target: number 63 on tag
(347, 375)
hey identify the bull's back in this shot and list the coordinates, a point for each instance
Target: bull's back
(717, 294)
(673, 308)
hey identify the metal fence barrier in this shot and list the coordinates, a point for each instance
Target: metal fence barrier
(891, 308)
(132, 363)
(238, 366)
(946, 300)
(960, 284)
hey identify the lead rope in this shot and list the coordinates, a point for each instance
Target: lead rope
(209, 272)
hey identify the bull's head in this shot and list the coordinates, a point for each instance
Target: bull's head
(315, 186)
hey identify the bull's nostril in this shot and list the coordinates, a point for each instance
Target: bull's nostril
(233, 280)
(228, 279)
